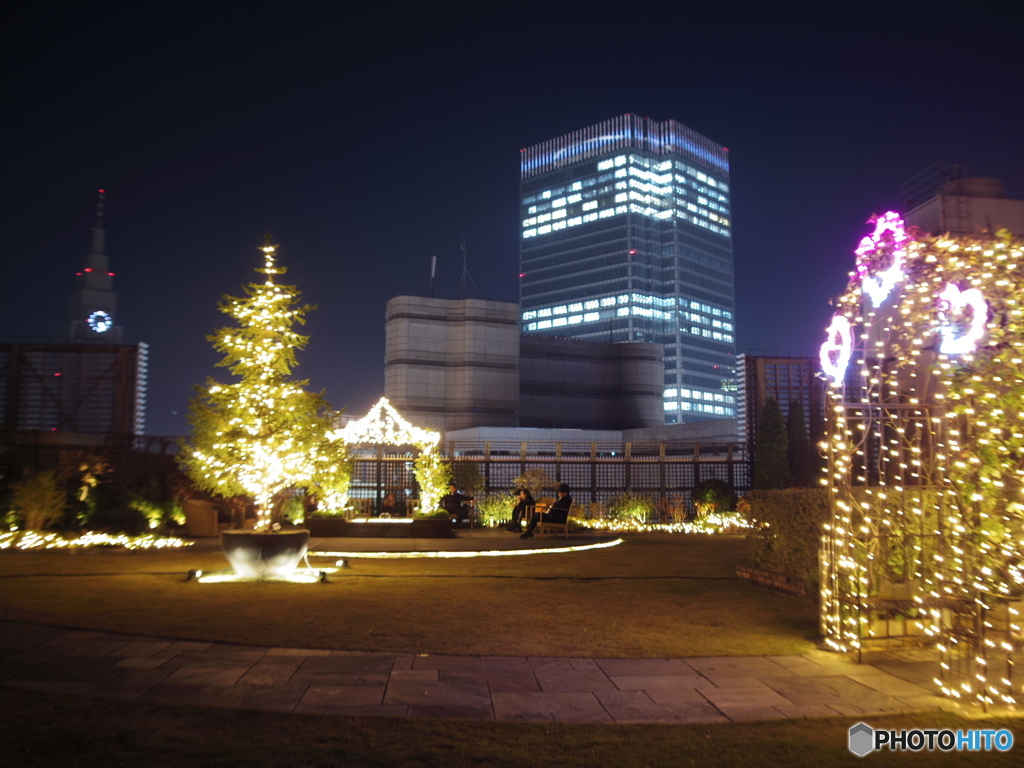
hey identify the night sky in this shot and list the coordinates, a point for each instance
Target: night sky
(369, 140)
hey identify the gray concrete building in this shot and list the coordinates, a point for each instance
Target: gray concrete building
(452, 364)
(945, 201)
(589, 385)
(455, 364)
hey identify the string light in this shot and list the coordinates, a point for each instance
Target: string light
(36, 540)
(264, 434)
(467, 554)
(926, 454)
(383, 425)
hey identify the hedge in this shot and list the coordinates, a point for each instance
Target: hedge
(787, 527)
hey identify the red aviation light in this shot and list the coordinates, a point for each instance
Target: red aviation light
(88, 269)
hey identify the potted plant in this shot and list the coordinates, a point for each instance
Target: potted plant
(263, 436)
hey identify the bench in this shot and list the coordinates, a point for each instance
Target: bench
(550, 525)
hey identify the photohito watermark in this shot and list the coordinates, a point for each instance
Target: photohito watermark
(865, 739)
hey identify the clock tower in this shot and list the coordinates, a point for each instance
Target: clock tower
(94, 303)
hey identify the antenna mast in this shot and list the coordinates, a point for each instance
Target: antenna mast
(465, 272)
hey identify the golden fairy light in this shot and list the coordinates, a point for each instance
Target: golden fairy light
(926, 453)
(263, 434)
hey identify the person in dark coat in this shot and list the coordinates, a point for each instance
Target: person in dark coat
(556, 513)
(454, 503)
(520, 510)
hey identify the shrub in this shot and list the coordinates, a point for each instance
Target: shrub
(466, 475)
(159, 514)
(536, 481)
(39, 499)
(495, 508)
(787, 526)
(629, 507)
(436, 514)
(803, 461)
(771, 462)
(110, 509)
(713, 495)
(674, 510)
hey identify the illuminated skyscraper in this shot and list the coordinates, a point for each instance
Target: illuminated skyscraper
(626, 236)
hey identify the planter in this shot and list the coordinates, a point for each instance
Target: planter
(203, 519)
(264, 555)
(326, 527)
(406, 529)
(375, 528)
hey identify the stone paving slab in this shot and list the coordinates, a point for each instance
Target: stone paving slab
(452, 711)
(553, 679)
(645, 667)
(446, 662)
(338, 680)
(132, 683)
(541, 689)
(495, 680)
(270, 672)
(434, 693)
(327, 698)
(658, 682)
(565, 707)
(414, 674)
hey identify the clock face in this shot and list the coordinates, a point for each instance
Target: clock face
(100, 321)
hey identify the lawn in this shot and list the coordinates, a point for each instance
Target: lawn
(653, 596)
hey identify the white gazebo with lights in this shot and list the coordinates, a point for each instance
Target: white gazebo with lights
(383, 425)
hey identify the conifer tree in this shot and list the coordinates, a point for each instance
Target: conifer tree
(771, 464)
(263, 434)
(802, 464)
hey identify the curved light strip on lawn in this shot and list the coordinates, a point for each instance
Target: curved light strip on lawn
(484, 553)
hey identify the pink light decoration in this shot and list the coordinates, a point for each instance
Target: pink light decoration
(954, 342)
(836, 351)
(880, 257)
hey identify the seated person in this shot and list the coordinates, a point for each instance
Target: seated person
(454, 503)
(556, 513)
(392, 506)
(520, 510)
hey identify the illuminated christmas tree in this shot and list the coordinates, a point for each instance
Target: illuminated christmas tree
(264, 434)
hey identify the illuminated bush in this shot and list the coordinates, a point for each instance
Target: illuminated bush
(632, 508)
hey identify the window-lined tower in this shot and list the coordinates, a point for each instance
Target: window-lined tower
(626, 236)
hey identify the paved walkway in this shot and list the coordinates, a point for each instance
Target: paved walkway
(691, 690)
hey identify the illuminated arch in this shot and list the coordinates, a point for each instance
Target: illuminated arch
(383, 425)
